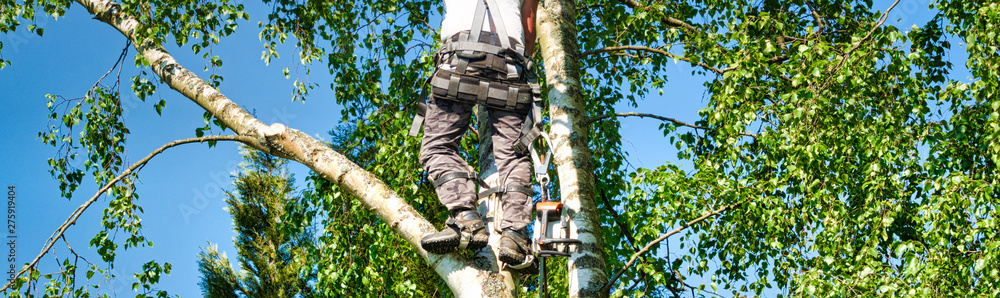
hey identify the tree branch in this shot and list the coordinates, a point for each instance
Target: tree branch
(61, 230)
(655, 51)
(819, 19)
(668, 20)
(648, 247)
(660, 51)
(621, 226)
(668, 119)
(847, 55)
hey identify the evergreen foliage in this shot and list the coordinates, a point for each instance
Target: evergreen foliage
(271, 259)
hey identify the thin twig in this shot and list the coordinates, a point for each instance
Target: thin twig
(819, 19)
(648, 247)
(668, 119)
(474, 131)
(621, 226)
(643, 115)
(696, 288)
(59, 232)
(668, 20)
(120, 58)
(655, 51)
(660, 51)
(847, 54)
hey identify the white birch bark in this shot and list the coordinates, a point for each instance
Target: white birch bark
(571, 154)
(463, 276)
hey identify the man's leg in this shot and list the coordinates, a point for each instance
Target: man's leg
(514, 170)
(445, 123)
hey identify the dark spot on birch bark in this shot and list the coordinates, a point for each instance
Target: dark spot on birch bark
(587, 262)
(593, 289)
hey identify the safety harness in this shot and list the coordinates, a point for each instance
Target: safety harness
(491, 69)
(486, 68)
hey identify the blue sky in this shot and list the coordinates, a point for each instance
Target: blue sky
(181, 191)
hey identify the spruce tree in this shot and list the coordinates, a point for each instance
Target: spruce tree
(270, 257)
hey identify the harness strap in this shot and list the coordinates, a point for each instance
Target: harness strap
(507, 188)
(465, 231)
(512, 71)
(455, 175)
(484, 91)
(511, 97)
(477, 21)
(496, 18)
(418, 119)
(473, 227)
(500, 32)
(453, 84)
(530, 130)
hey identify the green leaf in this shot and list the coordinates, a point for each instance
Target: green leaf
(159, 107)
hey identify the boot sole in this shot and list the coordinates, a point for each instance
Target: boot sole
(448, 243)
(514, 258)
(511, 257)
(478, 241)
(439, 244)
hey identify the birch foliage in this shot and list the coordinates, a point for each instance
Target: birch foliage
(835, 155)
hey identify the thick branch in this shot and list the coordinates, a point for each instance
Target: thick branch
(668, 119)
(648, 247)
(71, 220)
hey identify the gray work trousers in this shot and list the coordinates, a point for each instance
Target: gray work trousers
(445, 123)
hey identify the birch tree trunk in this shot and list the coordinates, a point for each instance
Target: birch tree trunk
(571, 154)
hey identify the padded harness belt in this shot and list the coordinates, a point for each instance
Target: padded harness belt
(494, 94)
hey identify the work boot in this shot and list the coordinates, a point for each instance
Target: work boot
(463, 230)
(516, 252)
